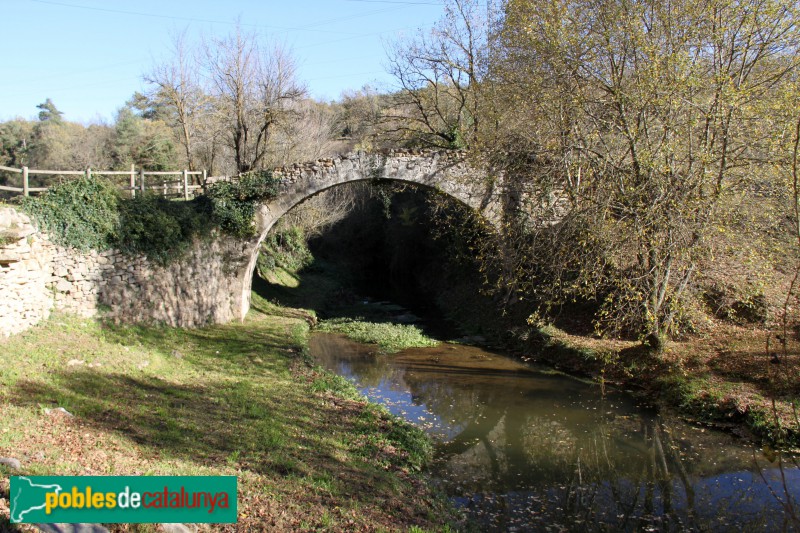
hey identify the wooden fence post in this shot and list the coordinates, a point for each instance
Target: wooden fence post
(88, 173)
(133, 181)
(185, 184)
(205, 181)
(141, 180)
(25, 187)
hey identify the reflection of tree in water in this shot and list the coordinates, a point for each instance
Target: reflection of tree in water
(521, 459)
(783, 490)
(349, 358)
(530, 450)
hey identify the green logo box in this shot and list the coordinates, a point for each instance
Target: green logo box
(123, 499)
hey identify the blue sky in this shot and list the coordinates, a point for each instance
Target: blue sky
(89, 56)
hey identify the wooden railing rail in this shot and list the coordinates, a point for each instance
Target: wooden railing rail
(136, 182)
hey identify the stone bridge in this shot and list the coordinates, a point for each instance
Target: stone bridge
(444, 171)
(212, 283)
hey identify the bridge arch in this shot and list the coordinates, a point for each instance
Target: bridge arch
(447, 172)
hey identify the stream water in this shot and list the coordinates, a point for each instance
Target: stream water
(525, 449)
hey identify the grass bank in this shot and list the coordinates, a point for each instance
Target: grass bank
(237, 399)
(723, 378)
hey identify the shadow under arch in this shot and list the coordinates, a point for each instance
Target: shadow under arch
(449, 175)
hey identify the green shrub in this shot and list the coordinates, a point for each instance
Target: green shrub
(334, 384)
(285, 248)
(81, 213)
(88, 213)
(160, 229)
(234, 203)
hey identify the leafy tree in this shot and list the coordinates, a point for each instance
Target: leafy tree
(626, 122)
(16, 137)
(142, 142)
(49, 113)
(149, 107)
(646, 114)
(52, 142)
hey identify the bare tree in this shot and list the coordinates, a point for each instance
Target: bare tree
(254, 86)
(178, 88)
(359, 117)
(309, 136)
(323, 210)
(439, 76)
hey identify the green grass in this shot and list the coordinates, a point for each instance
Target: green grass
(321, 286)
(237, 399)
(714, 401)
(388, 336)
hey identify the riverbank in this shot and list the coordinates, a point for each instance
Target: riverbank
(237, 399)
(723, 378)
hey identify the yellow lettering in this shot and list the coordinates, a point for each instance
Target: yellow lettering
(77, 498)
(111, 500)
(50, 501)
(97, 499)
(65, 500)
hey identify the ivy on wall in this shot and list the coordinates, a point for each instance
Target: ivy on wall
(233, 204)
(81, 213)
(159, 228)
(90, 214)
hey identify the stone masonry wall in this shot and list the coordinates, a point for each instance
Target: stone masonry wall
(204, 287)
(25, 256)
(37, 276)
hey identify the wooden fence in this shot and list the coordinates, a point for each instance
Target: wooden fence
(137, 179)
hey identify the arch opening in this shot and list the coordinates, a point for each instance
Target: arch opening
(388, 246)
(445, 173)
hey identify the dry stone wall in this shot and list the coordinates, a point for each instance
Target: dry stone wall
(25, 256)
(37, 276)
(203, 287)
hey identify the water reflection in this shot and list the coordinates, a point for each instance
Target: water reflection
(521, 449)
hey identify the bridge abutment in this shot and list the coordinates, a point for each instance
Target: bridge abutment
(38, 276)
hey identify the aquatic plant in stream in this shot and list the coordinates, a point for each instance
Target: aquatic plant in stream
(388, 336)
